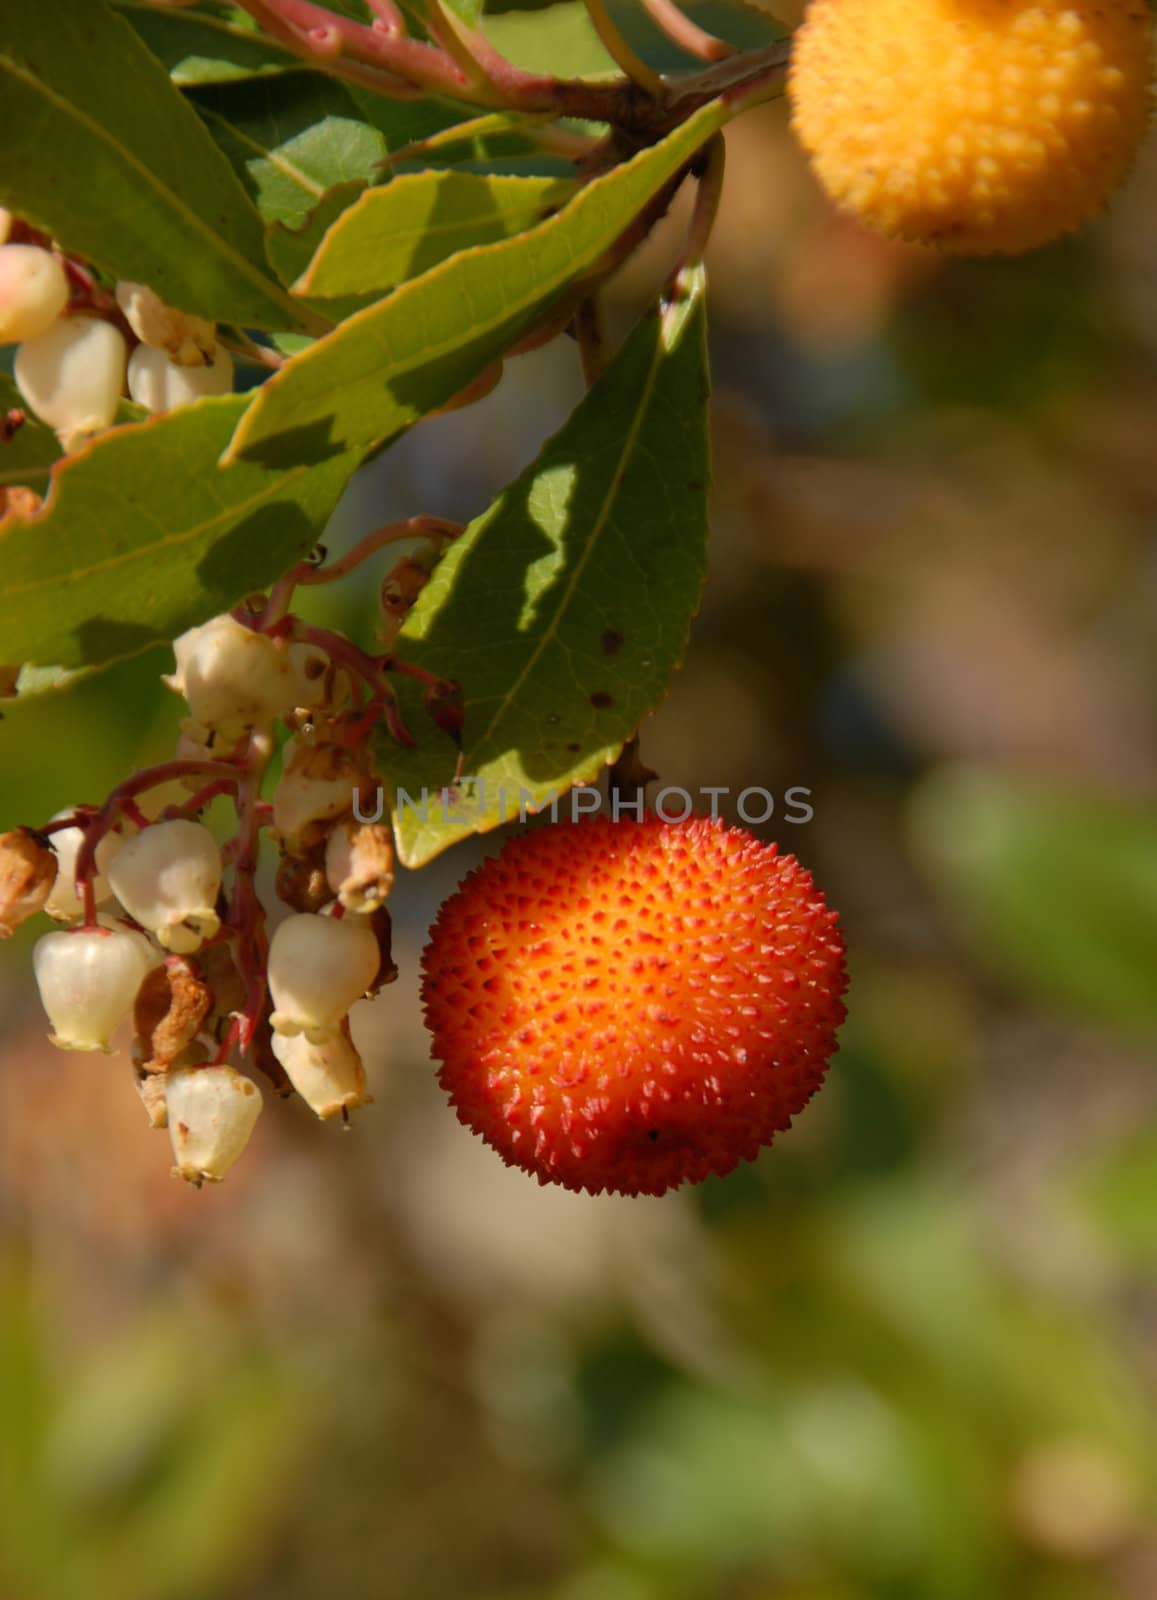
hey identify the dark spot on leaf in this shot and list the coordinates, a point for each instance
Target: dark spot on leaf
(574, 746)
(695, 485)
(653, 1135)
(612, 641)
(601, 700)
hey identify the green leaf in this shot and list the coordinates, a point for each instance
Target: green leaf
(38, 681)
(404, 121)
(497, 137)
(29, 455)
(564, 609)
(401, 230)
(291, 249)
(1056, 890)
(560, 38)
(143, 535)
(102, 151)
(747, 27)
(291, 139)
(197, 48)
(394, 362)
(470, 11)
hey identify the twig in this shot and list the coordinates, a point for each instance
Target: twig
(688, 35)
(485, 383)
(456, 41)
(387, 17)
(325, 36)
(390, 533)
(123, 795)
(537, 130)
(627, 780)
(402, 64)
(273, 617)
(591, 334)
(246, 914)
(708, 194)
(239, 342)
(621, 53)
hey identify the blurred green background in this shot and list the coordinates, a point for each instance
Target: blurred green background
(910, 1354)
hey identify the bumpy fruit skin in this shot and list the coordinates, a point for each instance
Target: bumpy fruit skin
(980, 126)
(630, 1006)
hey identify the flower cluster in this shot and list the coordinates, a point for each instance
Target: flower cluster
(162, 925)
(83, 347)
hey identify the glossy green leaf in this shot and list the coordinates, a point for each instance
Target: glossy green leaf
(401, 122)
(30, 454)
(404, 228)
(394, 362)
(27, 457)
(292, 248)
(1056, 890)
(564, 609)
(559, 38)
(39, 681)
(470, 11)
(101, 150)
(497, 137)
(291, 139)
(144, 535)
(746, 26)
(197, 48)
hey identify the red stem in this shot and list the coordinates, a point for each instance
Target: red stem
(97, 826)
(246, 913)
(389, 533)
(324, 34)
(688, 35)
(387, 17)
(402, 63)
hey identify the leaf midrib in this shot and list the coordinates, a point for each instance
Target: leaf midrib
(528, 206)
(229, 513)
(600, 526)
(219, 25)
(274, 157)
(249, 432)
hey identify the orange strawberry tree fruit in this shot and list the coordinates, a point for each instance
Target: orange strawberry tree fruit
(244, 248)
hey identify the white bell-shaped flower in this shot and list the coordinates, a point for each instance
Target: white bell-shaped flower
(167, 877)
(234, 678)
(187, 340)
(33, 291)
(159, 384)
(318, 967)
(319, 779)
(211, 1113)
(72, 376)
(328, 1076)
(88, 979)
(63, 903)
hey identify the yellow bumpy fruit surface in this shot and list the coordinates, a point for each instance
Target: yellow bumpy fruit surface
(975, 125)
